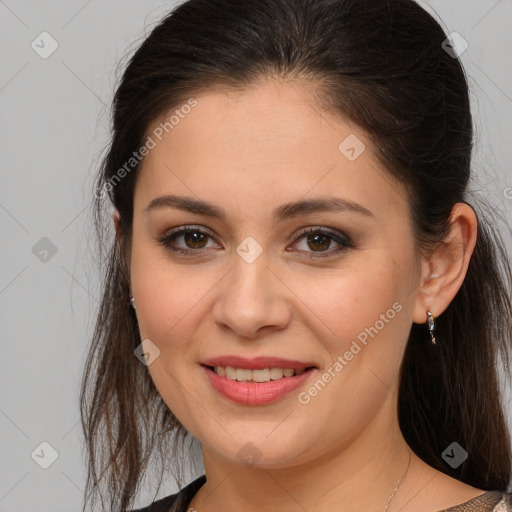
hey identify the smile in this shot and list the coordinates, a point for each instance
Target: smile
(256, 387)
(262, 375)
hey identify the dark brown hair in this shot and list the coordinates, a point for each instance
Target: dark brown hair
(380, 64)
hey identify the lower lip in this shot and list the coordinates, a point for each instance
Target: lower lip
(256, 393)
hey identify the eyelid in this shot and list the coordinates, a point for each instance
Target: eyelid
(344, 241)
(166, 239)
(335, 233)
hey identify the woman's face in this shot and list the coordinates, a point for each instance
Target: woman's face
(251, 284)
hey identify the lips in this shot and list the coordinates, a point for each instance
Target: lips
(261, 391)
(257, 363)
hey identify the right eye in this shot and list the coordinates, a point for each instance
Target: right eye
(194, 238)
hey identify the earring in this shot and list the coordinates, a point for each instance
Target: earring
(132, 302)
(431, 325)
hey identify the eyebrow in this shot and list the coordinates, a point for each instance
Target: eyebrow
(283, 212)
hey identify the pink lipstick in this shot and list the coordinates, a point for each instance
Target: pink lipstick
(256, 381)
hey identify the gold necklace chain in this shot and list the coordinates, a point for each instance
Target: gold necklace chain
(398, 485)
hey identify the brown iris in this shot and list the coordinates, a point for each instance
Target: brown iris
(318, 237)
(193, 239)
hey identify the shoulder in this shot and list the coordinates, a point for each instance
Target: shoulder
(177, 502)
(504, 504)
(491, 501)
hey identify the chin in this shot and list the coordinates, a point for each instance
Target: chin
(262, 453)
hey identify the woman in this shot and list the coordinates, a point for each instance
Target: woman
(299, 279)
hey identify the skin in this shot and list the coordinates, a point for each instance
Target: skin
(249, 152)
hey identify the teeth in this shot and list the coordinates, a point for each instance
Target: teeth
(259, 375)
(276, 373)
(230, 372)
(263, 375)
(243, 375)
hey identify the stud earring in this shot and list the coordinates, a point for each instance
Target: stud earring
(431, 325)
(132, 302)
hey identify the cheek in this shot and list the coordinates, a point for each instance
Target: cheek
(364, 313)
(368, 315)
(164, 294)
(169, 309)
(355, 300)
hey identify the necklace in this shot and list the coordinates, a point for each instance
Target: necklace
(398, 484)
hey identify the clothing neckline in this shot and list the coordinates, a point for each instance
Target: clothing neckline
(188, 492)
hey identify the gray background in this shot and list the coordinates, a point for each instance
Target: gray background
(54, 127)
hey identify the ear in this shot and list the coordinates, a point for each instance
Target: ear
(117, 223)
(116, 217)
(443, 273)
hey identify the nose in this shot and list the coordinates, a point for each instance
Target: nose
(252, 299)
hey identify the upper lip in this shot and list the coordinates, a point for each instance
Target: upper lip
(257, 363)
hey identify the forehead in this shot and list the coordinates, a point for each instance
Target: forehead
(268, 144)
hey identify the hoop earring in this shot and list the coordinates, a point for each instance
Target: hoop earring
(132, 302)
(431, 325)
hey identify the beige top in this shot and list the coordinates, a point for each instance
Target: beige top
(491, 501)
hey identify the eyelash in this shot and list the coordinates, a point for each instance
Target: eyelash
(343, 240)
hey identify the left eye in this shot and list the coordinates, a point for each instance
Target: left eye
(316, 238)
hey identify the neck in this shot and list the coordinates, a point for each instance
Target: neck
(362, 474)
